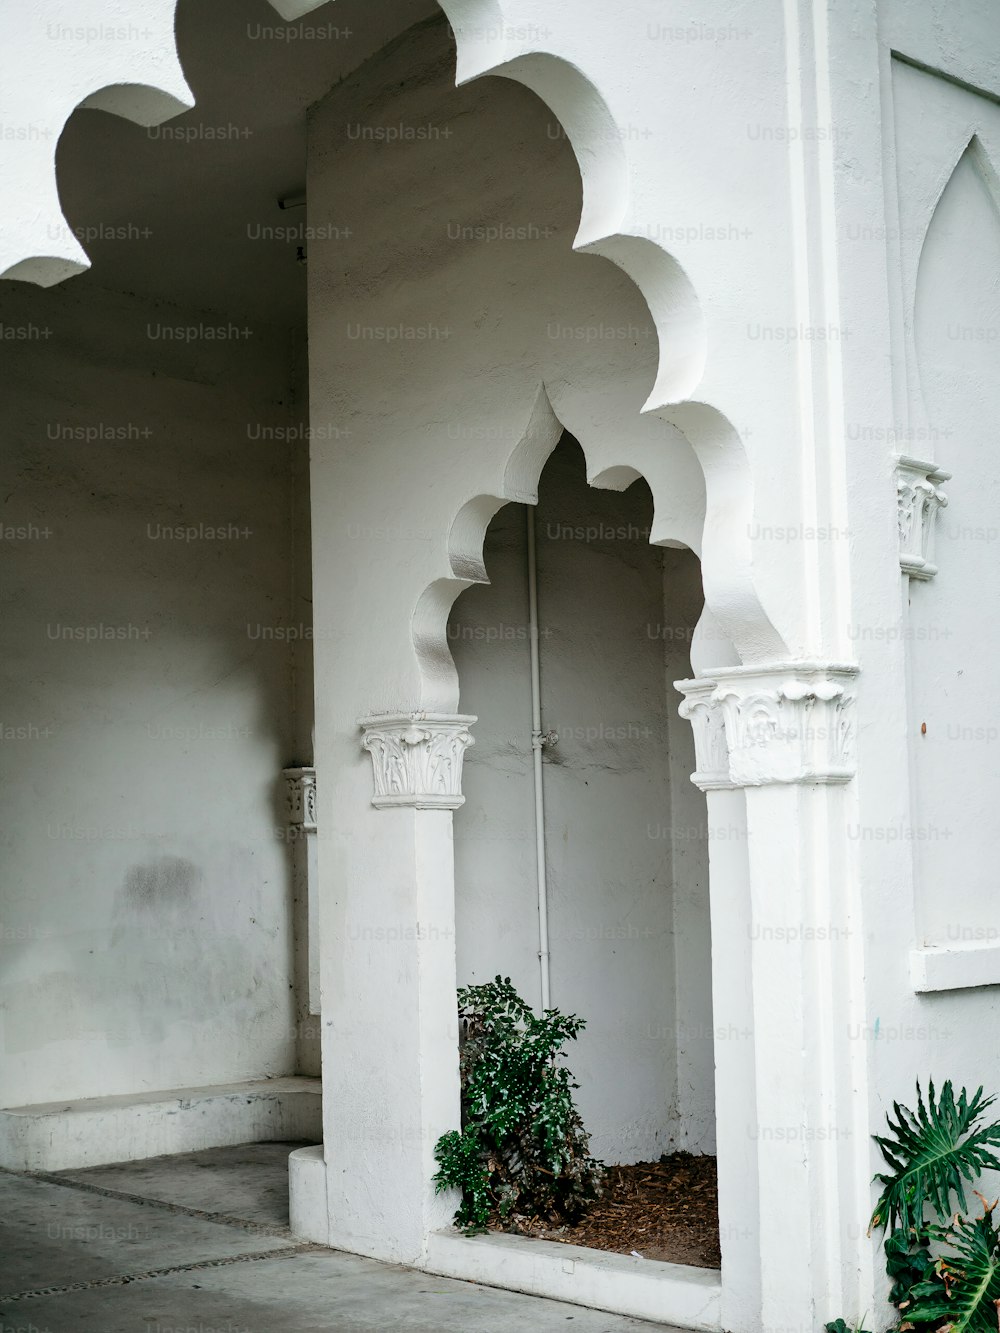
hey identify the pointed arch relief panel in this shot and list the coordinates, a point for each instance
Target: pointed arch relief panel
(938, 125)
(954, 618)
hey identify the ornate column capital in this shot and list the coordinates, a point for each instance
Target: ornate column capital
(417, 758)
(918, 498)
(711, 750)
(300, 785)
(782, 723)
(790, 722)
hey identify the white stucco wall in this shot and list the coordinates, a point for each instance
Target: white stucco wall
(146, 914)
(609, 620)
(954, 645)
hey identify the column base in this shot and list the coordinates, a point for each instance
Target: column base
(307, 1204)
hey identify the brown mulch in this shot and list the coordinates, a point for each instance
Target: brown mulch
(665, 1210)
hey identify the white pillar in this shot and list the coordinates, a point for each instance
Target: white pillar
(789, 739)
(732, 1007)
(390, 1050)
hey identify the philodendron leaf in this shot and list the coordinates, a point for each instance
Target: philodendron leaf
(933, 1152)
(966, 1297)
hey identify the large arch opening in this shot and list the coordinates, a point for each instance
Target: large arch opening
(624, 835)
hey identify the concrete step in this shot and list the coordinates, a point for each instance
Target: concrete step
(56, 1136)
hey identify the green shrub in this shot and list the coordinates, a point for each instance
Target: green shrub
(945, 1269)
(522, 1149)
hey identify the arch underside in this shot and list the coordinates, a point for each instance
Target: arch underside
(148, 86)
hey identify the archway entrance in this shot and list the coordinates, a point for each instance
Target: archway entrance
(615, 925)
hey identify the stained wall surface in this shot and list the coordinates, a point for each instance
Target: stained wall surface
(148, 701)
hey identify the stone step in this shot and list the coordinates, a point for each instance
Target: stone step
(56, 1136)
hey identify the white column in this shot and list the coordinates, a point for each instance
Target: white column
(390, 1058)
(732, 1006)
(789, 733)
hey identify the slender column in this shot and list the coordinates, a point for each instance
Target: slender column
(789, 732)
(300, 785)
(391, 1084)
(732, 1005)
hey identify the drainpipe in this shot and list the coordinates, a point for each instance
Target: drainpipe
(538, 743)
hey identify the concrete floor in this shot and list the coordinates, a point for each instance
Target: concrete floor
(200, 1242)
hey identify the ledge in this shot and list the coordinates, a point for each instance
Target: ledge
(57, 1136)
(619, 1283)
(955, 966)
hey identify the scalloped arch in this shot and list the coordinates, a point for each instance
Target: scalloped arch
(143, 81)
(727, 551)
(135, 74)
(464, 548)
(598, 144)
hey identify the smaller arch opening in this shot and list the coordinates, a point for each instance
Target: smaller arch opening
(624, 832)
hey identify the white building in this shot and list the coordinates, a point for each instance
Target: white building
(738, 271)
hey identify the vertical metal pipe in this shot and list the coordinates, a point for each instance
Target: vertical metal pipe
(537, 744)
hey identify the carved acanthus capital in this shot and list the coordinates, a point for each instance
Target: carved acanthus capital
(791, 722)
(918, 499)
(711, 750)
(300, 787)
(417, 758)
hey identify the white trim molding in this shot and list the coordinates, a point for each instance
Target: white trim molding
(783, 723)
(955, 966)
(918, 499)
(417, 758)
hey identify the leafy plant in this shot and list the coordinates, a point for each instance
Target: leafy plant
(966, 1296)
(945, 1271)
(930, 1153)
(522, 1149)
(842, 1326)
(909, 1262)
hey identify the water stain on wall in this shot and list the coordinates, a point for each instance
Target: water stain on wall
(163, 880)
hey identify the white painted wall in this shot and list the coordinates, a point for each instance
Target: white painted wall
(610, 619)
(955, 617)
(146, 913)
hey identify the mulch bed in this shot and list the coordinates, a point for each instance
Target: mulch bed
(666, 1210)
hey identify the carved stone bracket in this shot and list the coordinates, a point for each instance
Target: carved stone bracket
(918, 498)
(300, 785)
(754, 726)
(704, 712)
(417, 758)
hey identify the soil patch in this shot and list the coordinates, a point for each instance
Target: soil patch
(666, 1210)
